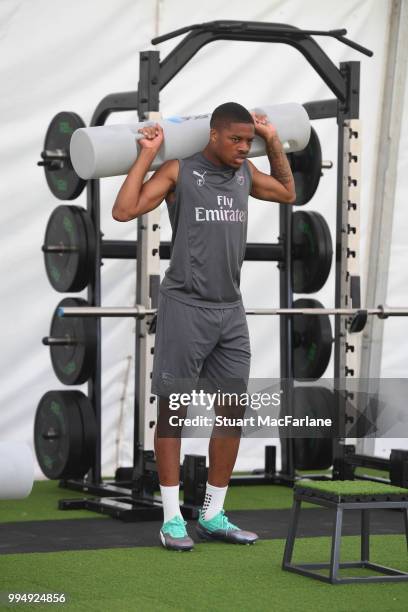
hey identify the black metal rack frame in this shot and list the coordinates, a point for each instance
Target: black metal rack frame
(154, 75)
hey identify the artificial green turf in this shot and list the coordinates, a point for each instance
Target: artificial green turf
(215, 577)
(352, 487)
(361, 471)
(259, 497)
(42, 505)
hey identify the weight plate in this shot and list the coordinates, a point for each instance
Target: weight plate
(58, 435)
(306, 168)
(89, 430)
(312, 251)
(62, 179)
(75, 363)
(324, 409)
(86, 238)
(312, 342)
(91, 244)
(325, 252)
(70, 228)
(315, 453)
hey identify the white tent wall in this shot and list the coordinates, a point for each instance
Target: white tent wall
(50, 62)
(394, 349)
(394, 361)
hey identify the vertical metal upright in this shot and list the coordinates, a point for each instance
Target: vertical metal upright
(285, 326)
(94, 298)
(347, 279)
(114, 102)
(147, 284)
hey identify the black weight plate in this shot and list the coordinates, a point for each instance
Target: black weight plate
(83, 226)
(82, 271)
(314, 453)
(312, 341)
(58, 436)
(322, 402)
(326, 249)
(306, 168)
(61, 231)
(312, 251)
(89, 230)
(69, 226)
(64, 182)
(74, 364)
(89, 431)
(304, 448)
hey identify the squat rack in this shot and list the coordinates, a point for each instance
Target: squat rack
(154, 75)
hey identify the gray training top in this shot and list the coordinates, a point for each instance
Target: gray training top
(209, 223)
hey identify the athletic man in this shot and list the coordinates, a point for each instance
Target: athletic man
(201, 333)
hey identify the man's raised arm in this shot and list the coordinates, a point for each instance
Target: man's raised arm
(136, 198)
(279, 186)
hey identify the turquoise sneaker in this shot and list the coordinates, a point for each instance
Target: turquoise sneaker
(219, 528)
(173, 535)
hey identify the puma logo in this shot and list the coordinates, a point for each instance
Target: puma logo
(201, 179)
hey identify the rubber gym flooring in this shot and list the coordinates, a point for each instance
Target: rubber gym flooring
(102, 564)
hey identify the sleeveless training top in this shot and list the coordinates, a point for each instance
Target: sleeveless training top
(209, 223)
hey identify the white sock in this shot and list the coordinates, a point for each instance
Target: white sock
(171, 502)
(213, 501)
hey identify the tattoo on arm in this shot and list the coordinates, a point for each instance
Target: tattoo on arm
(280, 168)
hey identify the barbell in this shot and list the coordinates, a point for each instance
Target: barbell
(359, 315)
(140, 312)
(72, 342)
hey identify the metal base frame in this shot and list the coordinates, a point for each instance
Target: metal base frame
(115, 499)
(118, 497)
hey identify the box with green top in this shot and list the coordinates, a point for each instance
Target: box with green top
(341, 495)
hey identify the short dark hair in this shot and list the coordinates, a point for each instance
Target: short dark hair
(230, 112)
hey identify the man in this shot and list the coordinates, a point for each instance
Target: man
(201, 331)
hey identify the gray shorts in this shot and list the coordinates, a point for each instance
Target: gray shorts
(200, 348)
